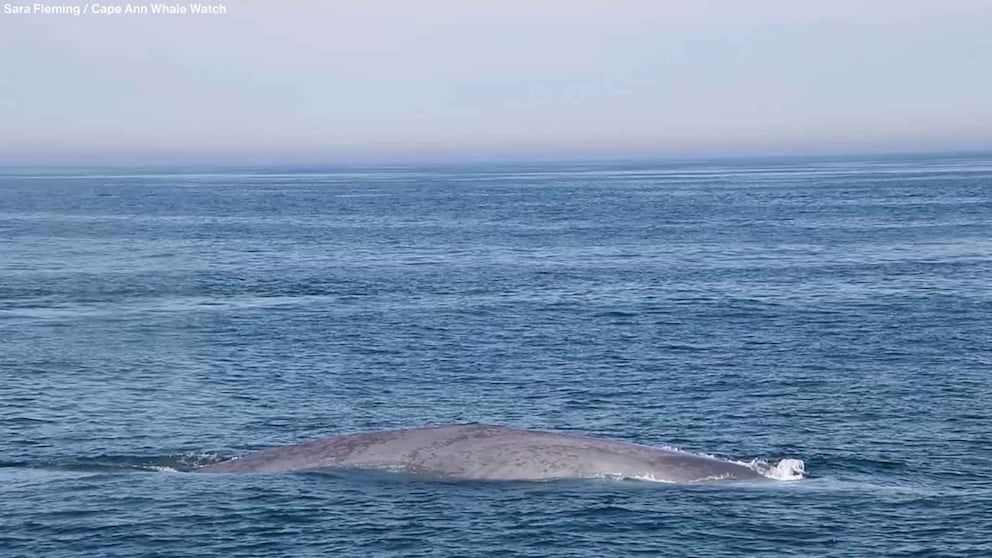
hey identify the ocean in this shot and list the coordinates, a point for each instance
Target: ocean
(834, 310)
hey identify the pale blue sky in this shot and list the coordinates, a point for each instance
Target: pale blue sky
(373, 80)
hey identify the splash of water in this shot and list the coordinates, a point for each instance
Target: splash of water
(785, 470)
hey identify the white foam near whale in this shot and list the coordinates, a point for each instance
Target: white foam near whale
(485, 452)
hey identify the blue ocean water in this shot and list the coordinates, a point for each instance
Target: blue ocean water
(833, 310)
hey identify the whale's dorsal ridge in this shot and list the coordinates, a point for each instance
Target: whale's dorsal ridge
(490, 452)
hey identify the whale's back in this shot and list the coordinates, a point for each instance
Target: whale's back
(484, 452)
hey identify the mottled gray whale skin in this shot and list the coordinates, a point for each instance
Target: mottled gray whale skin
(484, 452)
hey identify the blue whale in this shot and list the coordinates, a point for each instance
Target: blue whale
(485, 452)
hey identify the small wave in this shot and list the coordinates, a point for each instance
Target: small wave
(644, 478)
(617, 314)
(169, 463)
(160, 469)
(174, 463)
(26, 421)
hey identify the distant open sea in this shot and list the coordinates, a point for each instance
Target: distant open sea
(833, 310)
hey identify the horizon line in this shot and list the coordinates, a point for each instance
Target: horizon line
(470, 159)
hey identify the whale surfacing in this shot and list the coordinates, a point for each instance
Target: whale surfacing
(485, 452)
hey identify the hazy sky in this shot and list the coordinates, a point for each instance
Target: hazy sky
(363, 80)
